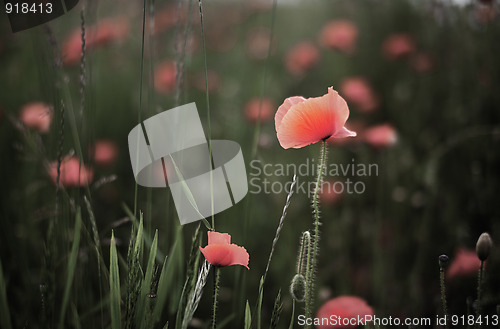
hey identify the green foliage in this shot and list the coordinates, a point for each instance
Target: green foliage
(114, 287)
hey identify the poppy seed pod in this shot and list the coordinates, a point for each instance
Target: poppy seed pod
(483, 246)
(443, 260)
(298, 287)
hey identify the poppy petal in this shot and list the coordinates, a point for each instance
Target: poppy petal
(239, 255)
(225, 255)
(218, 238)
(344, 132)
(283, 109)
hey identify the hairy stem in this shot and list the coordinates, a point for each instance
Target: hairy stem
(479, 282)
(443, 295)
(216, 296)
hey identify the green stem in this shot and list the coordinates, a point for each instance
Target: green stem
(310, 280)
(216, 295)
(479, 281)
(443, 295)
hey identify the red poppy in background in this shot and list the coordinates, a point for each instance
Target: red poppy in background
(105, 32)
(37, 116)
(345, 307)
(359, 91)
(105, 152)
(300, 122)
(165, 76)
(340, 35)
(398, 45)
(301, 58)
(72, 174)
(422, 62)
(465, 263)
(214, 81)
(257, 107)
(221, 252)
(329, 193)
(381, 135)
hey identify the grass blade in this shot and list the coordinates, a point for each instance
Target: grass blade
(70, 274)
(114, 286)
(292, 320)
(248, 317)
(278, 307)
(4, 306)
(144, 301)
(259, 302)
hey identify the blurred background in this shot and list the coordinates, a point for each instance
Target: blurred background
(422, 81)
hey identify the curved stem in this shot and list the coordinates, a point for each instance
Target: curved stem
(216, 295)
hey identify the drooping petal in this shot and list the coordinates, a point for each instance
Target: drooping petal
(239, 256)
(225, 255)
(218, 238)
(311, 120)
(344, 132)
(283, 109)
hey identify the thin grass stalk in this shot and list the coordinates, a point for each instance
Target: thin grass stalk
(216, 297)
(278, 307)
(82, 65)
(195, 296)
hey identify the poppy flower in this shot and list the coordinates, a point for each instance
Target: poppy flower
(257, 43)
(214, 81)
(37, 116)
(465, 263)
(300, 121)
(256, 108)
(165, 77)
(301, 58)
(381, 135)
(221, 252)
(422, 62)
(398, 45)
(348, 308)
(72, 174)
(105, 152)
(340, 35)
(359, 91)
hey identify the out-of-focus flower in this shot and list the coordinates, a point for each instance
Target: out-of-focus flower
(221, 252)
(380, 136)
(105, 152)
(167, 17)
(300, 122)
(330, 193)
(465, 263)
(257, 43)
(213, 81)
(486, 2)
(72, 175)
(105, 32)
(398, 45)
(345, 307)
(485, 14)
(165, 76)
(359, 91)
(37, 116)
(340, 35)
(302, 57)
(257, 107)
(422, 62)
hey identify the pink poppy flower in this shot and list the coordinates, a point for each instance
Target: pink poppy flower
(105, 152)
(465, 263)
(257, 43)
(214, 81)
(398, 46)
(300, 122)
(72, 174)
(221, 252)
(340, 35)
(359, 91)
(350, 308)
(105, 32)
(37, 116)
(256, 108)
(165, 77)
(422, 62)
(381, 135)
(330, 193)
(301, 58)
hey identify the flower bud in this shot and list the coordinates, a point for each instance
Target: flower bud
(443, 260)
(483, 246)
(298, 287)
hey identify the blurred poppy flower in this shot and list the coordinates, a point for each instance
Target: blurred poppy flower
(340, 35)
(105, 152)
(105, 32)
(167, 17)
(465, 263)
(37, 116)
(300, 122)
(343, 307)
(301, 58)
(380, 136)
(257, 43)
(359, 91)
(213, 81)
(329, 193)
(221, 252)
(256, 108)
(485, 14)
(422, 62)
(165, 76)
(398, 46)
(72, 175)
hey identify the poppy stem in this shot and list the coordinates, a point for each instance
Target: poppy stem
(314, 258)
(216, 295)
(479, 282)
(443, 294)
